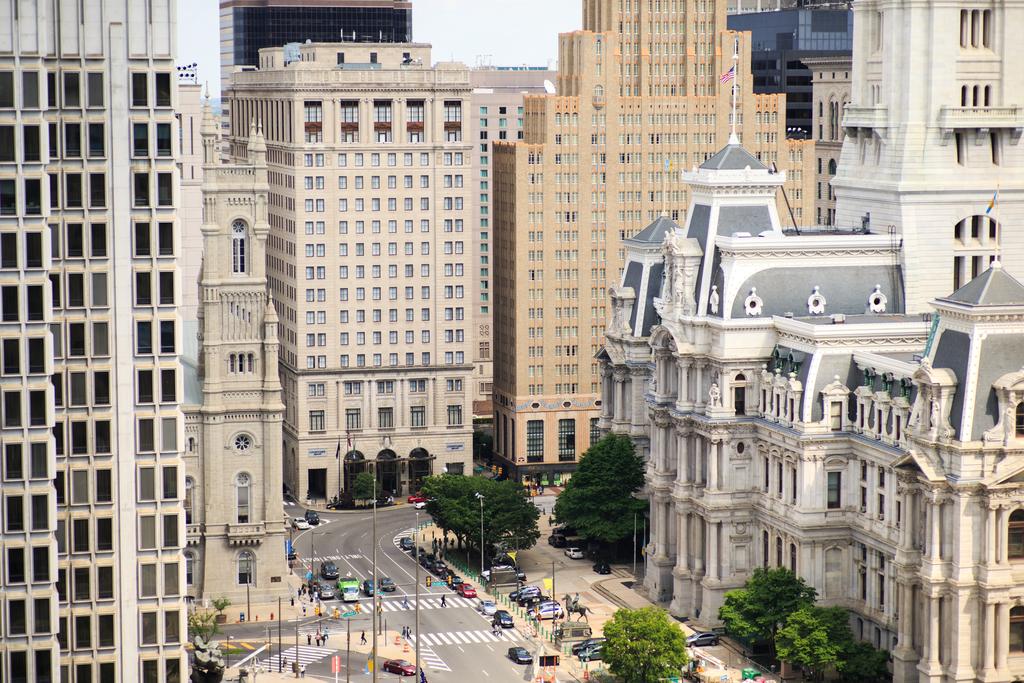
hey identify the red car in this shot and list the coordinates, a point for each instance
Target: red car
(466, 590)
(400, 667)
(417, 498)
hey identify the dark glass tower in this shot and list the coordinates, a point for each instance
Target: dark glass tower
(247, 26)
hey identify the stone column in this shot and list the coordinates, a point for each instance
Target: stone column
(1002, 528)
(1002, 634)
(699, 544)
(683, 548)
(683, 390)
(988, 643)
(713, 550)
(933, 631)
(935, 537)
(713, 449)
(991, 537)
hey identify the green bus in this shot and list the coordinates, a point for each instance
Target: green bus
(349, 589)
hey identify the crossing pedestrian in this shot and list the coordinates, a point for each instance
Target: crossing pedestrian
(362, 638)
(309, 639)
(303, 609)
(405, 602)
(444, 603)
(302, 670)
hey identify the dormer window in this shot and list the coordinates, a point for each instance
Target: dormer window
(238, 248)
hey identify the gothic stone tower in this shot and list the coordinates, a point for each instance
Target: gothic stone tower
(932, 133)
(238, 493)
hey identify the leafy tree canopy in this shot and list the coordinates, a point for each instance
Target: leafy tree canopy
(815, 638)
(862, 663)
(598, 501)
(363, 487)
(509, 517)
(762, 606)
(643, 645)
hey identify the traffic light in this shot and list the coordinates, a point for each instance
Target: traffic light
(426, 582)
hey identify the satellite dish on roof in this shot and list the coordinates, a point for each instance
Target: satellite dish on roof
(549, 87)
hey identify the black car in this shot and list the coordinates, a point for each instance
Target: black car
(312, 517)
(523, 593)
(427, 560)
(520, 655)
(387, 585)
(329, 571)
(406, 544)
(531, 601)
(503, 619)
(702, 639)
(557, 540)
(602, 568)
(439, 568)
(368, 588)
(585, 644)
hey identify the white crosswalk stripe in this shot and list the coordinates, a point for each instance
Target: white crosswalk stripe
(430, 659)
(306, 655)
(397, 605)
(467, 637)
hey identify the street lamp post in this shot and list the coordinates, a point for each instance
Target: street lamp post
(481, 498)
(416, 554)
(376, 597)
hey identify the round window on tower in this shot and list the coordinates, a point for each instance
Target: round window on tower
(243, 442)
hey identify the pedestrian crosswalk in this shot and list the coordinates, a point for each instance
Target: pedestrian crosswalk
(468, 637)
(430, 659)
(451, 601)
(305, 655)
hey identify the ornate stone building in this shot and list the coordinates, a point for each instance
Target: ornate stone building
(235, 523)
(792, 414)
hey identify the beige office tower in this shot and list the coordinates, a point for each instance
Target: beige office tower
(496, 114)
(831, 94)
(640, 99)
(92, 588)
(370, 238)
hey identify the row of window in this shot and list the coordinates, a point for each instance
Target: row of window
(65, 90)
(377, 359)
(391, 159)
(385, 418)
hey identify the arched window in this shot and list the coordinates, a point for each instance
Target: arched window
(1019, 420)
(764, 548)
(246, 568)
(251, 362)
(1017, 629)
(190, 485)
(190, 568)
(231, 363)
(792, 557)
(831, 166)
(778, 551)
(1015, 536)
(598, 90)
(238, 247)
(243, 489)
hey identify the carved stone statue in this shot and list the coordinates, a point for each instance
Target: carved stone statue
(207, 662)
(714, 394)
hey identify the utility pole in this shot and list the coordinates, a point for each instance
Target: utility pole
(634, 545)
(296, 663)
(279, 635)
(416, 551)
(480, 496)
(248, 604)
(376, 597)
(348, 649)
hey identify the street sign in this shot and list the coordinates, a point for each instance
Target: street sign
(336, 664)
(348, 614)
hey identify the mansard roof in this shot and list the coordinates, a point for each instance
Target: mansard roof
(654, 234)
(994, 287)
(733, 157)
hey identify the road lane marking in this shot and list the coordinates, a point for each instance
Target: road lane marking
(485, 673)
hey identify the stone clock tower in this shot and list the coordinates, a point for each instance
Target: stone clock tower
(237, 533)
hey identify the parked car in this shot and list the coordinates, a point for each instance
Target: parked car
(419, 505)
(574, 553)
(503, 619)
(702, 639)
(439, 568)
(406, 544)
(455, 581)
(417, 498)
(584, 644)
(387, 585)
(520, 655)
(300, 523)
(466, 590)
(327, 592)
(523, 592)
(487, 608)
(548, 610)
(556, 540)
(367, 588)
(426, 558)
(531, 601)
(312, 517)
(591, 653)
(400, 667)
(329, 570)
(602, 568)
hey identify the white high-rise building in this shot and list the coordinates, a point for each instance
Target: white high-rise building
(932, 132)
(91, 426)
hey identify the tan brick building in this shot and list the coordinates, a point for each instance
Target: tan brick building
(638, 101)
(370, 234)
(831, 78)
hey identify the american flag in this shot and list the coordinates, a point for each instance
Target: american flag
(728, 75)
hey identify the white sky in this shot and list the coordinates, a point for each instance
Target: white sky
(507, 32)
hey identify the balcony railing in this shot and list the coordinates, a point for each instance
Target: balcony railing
(951, 118)
(245, 534)
(866, 117)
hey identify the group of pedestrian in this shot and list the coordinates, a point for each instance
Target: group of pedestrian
(320, 637)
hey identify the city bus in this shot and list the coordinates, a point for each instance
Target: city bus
(349, 589)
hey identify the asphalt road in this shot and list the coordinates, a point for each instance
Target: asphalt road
(455, 641)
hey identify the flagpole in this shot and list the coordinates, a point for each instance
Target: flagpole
(733, 138)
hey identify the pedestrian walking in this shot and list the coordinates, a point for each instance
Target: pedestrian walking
(303, 609)
(362, 638)
(309, 639)
(405, 602)
(444, 603)
(318, 641)
(302, 670)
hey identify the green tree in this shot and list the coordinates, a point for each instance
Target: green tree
(509, 517)
(363, 487)
(764, 603)
(598, 501)
(643, 645)
(815, 638)
(862, 663)
(203, 623)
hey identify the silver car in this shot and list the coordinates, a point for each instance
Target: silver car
(327, 592)
(487, 607)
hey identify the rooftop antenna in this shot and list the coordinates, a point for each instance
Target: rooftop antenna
(733, 138)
